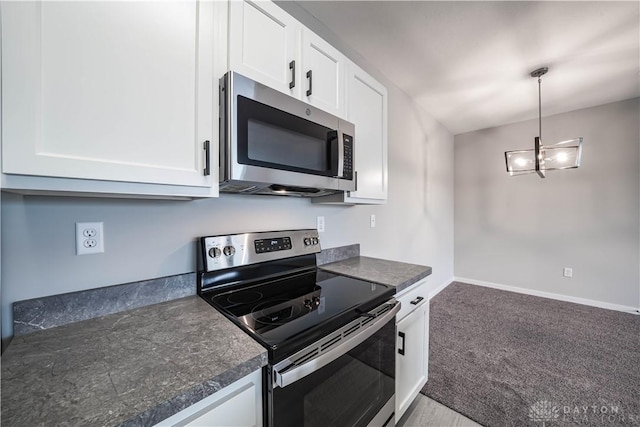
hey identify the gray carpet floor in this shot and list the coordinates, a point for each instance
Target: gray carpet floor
(507, 359)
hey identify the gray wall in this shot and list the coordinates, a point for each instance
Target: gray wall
(146, 239)
(521, 231)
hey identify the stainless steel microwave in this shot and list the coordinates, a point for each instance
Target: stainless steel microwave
(272, 143)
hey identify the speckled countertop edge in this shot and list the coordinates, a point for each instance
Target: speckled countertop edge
(393, 273)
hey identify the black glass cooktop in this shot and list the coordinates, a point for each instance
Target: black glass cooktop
(289, 313)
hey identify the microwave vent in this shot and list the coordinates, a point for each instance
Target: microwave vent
(235, 188)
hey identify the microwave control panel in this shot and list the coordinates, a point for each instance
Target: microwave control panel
(348, 158)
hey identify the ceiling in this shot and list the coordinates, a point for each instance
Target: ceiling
(468, 63)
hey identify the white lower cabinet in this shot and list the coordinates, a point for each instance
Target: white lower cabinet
(238, 404)
(412, 345)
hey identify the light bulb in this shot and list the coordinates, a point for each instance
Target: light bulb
(521, 161)
(562, 157)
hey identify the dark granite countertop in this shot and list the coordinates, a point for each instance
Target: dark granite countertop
(398, 274)
(136, 367)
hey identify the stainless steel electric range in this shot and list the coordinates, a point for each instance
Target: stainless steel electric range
(330, 338)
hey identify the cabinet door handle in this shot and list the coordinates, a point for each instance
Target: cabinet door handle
(292, 67)
(310, 77)
(207, 158)
(417, 301)
(401, 349)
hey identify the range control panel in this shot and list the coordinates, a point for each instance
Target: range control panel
(235, 250)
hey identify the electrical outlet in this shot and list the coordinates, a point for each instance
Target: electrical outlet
(320, 224)
(372, 221)
(89, 238)
(567, 272)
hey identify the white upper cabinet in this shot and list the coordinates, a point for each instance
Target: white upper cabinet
(367, 109)
(269, 46)
(110, 91)
(263, 44)
(324, 74)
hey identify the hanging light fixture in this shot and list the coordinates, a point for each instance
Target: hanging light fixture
(543, 158)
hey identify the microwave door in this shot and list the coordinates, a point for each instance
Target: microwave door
(276, 140)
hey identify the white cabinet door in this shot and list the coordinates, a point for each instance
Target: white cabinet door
(116, 91)
(366, 101)
(411, 367)
(237, 405)
(323, 69)
(269, 46)
(263, 44)
(367, 109)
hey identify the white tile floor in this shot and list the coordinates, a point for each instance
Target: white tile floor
(425, 412)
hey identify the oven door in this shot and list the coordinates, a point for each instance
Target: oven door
(345, 379)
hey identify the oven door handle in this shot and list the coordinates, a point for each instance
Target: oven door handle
(290, 376)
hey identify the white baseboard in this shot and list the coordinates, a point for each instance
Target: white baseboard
(560, 297)
(437, 290)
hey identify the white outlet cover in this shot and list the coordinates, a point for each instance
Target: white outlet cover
(320, 224)
(89, 238)
(372, 222)
(567, 272)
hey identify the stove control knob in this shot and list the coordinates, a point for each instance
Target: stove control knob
(229, 250)
(307, 241)
(215, 252)
(314, 241)
(308, 303)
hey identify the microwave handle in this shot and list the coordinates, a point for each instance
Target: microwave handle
(340, 137)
